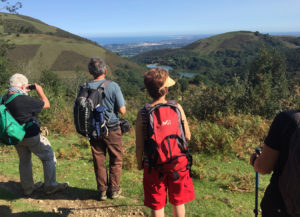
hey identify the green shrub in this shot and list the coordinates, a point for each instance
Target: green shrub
(229, 134)
(211, 137)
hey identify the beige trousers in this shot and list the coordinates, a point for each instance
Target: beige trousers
(41, 147)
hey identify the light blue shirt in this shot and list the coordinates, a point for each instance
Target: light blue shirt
(113, 100)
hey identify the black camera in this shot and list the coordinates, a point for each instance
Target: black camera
(31, 87)
(125, 125)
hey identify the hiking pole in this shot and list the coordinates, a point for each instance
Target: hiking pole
(257, 151)
(256, 195)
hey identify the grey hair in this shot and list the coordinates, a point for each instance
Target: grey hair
(96, 66)
(17, 80)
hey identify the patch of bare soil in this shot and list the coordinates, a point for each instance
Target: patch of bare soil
(73, 202)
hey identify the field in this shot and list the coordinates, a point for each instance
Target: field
(224, 184)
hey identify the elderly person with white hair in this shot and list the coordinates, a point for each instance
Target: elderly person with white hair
(25, 110)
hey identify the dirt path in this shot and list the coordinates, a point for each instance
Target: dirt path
(73, 202)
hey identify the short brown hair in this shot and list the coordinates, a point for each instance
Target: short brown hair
(154, 79)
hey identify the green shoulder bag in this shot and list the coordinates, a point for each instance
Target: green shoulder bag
(11, 132)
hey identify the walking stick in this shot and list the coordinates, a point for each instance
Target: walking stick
(257, 150)
(256, 194)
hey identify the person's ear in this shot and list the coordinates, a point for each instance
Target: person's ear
(24, 86)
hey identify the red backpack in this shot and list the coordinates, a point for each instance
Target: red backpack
(165, 145)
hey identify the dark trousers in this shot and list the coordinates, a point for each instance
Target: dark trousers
(272, 204)
(275, 213)
(113, 144)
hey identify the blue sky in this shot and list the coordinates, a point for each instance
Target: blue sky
(165, 17)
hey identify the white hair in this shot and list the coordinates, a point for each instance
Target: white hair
(17, 80)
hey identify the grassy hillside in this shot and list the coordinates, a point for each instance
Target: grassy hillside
(37, 46)
(224, 182)
(231, 40)
(235, 41)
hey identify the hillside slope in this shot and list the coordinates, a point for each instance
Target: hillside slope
(38, 46)
(229, 53)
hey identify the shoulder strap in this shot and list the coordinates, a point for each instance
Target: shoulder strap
(152, 108)
(104, 84)
(101, 88)
(145, 118)
(11, 98)
(296, 117)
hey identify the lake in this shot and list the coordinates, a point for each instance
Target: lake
(153, 66)
(182, 74)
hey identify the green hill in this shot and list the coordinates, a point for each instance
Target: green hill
(38, 46)
(226, 54)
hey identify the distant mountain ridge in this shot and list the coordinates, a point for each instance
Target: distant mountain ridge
(228, 53)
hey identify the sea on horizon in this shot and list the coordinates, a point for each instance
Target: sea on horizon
(139, 39)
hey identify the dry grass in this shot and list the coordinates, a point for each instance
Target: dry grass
(236, 134)
(62, 122)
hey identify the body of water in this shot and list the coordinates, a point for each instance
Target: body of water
(139, 39)
(187, 74)
(129, 40)
(182, 74)
(153, 66)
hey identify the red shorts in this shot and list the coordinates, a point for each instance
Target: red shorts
(155, 188)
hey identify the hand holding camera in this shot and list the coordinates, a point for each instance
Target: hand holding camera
(31, 87)
(35, 86)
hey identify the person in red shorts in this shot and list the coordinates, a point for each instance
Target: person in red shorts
(157, 184)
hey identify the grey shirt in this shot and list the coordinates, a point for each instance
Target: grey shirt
(113, 100)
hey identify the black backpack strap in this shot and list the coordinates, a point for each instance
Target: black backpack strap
(105, 83)
(101, 88)
(149, 143)
(296, 117)
(145, 119)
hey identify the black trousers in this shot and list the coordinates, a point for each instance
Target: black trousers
(272, 204)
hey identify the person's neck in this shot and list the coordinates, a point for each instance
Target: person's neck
(101, 77)
(160, 100)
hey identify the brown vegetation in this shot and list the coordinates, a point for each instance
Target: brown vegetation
(65, 61)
